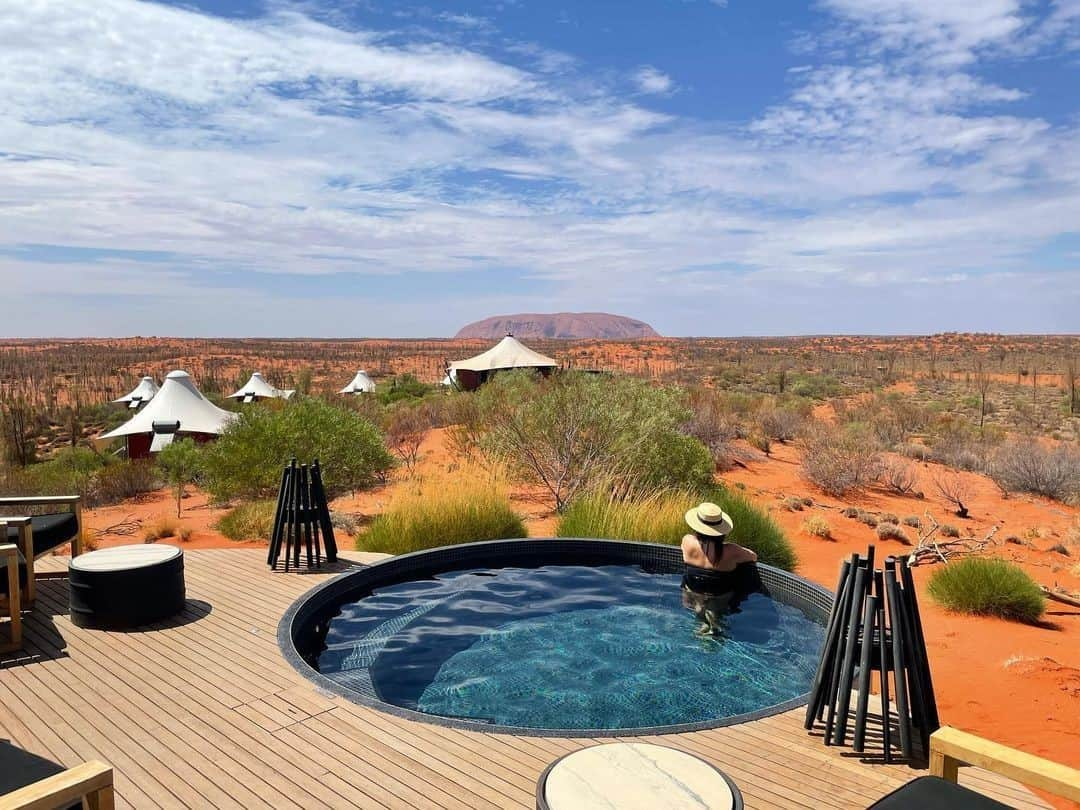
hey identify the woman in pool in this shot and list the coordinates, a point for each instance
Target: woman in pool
(718, 575)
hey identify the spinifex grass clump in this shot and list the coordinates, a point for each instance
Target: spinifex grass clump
(472, 505)
(657, 516)
(248, 521)
(988, 587)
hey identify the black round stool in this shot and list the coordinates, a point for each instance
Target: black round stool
(126, 586)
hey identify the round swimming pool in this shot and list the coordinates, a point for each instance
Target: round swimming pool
(578, 637)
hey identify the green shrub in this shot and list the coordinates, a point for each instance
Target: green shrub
(71, 470)
(658, 517)
(182, 464)
(247, 459)
(815, 386)
(463, 509)
(572, 432)
(403, 386)
(248, 521)
(988, 587)
(653, 517)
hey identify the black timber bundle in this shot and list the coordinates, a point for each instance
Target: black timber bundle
(875, 627)
(302, 519)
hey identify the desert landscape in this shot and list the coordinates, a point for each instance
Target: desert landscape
(942, 408)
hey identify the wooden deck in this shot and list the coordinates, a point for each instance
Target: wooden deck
(204, 712)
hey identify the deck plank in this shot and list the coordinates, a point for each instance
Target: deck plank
(204, 711)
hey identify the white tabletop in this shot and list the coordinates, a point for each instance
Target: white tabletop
(123, 558)
(635, 776)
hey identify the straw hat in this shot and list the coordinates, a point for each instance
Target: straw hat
(710, 520)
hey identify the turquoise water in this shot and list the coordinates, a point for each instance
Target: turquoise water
(571, 647)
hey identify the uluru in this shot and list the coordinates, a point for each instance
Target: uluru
(559, 325)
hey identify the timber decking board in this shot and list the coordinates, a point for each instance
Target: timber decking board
(204, 711)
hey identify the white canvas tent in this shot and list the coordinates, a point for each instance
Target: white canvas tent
(178, 409)
(140, 394)
(258, 388)
(361, 384)
(506, 354)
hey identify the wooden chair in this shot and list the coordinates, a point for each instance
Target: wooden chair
(9, 592)
(30, 782)
(37, 535)
(950, 748)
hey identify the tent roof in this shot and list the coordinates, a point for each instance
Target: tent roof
(507, 353)
(178, 400)
(258, 387)
(361, 384)
(144, 391)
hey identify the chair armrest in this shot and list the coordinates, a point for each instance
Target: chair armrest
(39, 500)
(65, 788)
(8, 550)
(949, 747)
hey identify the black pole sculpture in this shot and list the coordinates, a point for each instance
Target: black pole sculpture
(874, 625)
(302, 525)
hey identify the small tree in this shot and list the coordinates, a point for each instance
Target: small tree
(181, 463)
(982, 385)
(954, 489)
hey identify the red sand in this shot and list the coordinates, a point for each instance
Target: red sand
(1017, 684)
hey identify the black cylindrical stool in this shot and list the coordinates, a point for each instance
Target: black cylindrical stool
(126, 586)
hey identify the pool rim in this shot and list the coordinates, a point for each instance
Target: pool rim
(809, 596)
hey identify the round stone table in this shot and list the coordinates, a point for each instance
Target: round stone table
(126, 586)
(635, 776)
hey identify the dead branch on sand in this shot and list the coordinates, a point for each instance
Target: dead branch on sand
(930, 549)
(1058, 596)
(125, 528)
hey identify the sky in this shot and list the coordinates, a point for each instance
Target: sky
(365, 168)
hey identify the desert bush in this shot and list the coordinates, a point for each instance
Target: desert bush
(442, 512)
(759, 441)
(71, 470)
(793, 504)
(253, 520)
(914, 450)
(781, 424)
(956, 443)
(1029, 467)
(181, 462)
(571, 431)
(599, 514)
(1060, 548)
(914, 521)
(838, 461)
(345, 522)
(948, 530)
(402, 387)
(888, 517)
(185, 533)
(890, 531)
(898, 475)
(247, 459)
(815, 386)
(954, 488)
(851, 511)
(406, 425)
(868, 518)
(714, 428)
(817, 526)
(160, 529)
(655, 516)
(125, 479)
(988, 587)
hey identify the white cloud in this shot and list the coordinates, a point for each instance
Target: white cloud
(651, 80)
(288, 146)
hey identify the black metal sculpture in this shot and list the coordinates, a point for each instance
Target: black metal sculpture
(874, 626)
(302, 519)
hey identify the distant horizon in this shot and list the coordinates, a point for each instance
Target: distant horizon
(267, 167)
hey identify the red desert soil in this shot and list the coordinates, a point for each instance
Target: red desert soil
(1013, 683)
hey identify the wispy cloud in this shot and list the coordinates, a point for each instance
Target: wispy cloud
(288, 146)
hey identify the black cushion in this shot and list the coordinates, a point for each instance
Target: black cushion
(4, 575)
(19, 768)
(934, 793)
(50, 531)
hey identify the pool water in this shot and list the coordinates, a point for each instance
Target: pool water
(570, 647)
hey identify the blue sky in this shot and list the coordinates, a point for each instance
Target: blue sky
(238, 167)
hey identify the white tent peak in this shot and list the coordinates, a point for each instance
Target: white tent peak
(258, 388)
(140, 394)
(361, 384)
(507, 353)
(178, 400)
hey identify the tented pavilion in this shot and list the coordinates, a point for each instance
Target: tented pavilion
(508, 353)
(140, 394)
(258, 388)
(361, 384)
(178, 409)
